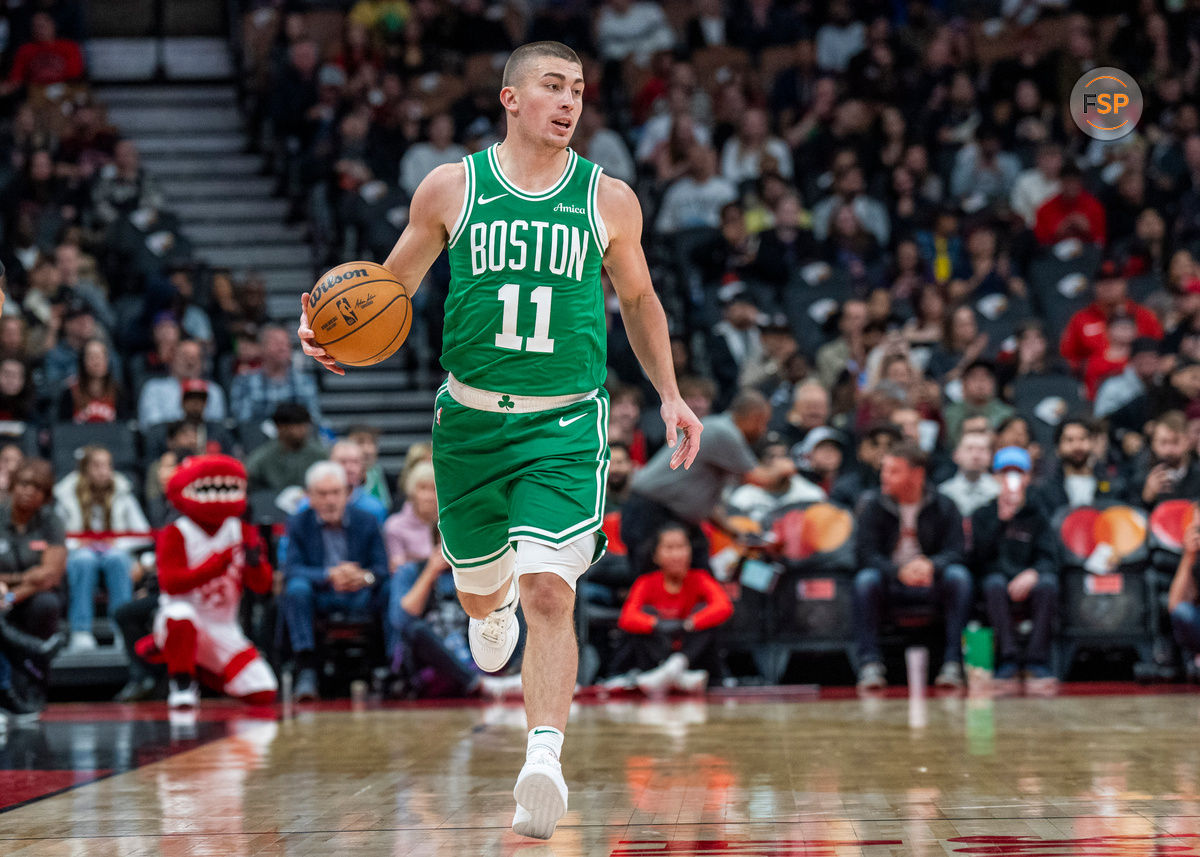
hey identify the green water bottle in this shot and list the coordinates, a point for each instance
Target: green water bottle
(978, 649)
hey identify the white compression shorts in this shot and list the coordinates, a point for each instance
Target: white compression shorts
(568, 561)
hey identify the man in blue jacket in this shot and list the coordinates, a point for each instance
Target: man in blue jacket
(335, 560)
(910, 547)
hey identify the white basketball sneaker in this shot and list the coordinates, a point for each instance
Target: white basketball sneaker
(541, 795)
(494, 639)
(183, 696)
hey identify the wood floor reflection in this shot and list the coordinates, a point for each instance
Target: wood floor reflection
(1113, 775)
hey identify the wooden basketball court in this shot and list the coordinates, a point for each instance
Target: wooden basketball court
(1110, 771)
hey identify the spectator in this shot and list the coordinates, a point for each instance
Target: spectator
(670, 619)
(809, 410)
(1033, 357)
(984, 175)
(839, 38)
(863, 475)
(194, 320)
(621, 468)
(62, 361)
(124, 187)
(156, 363)
(1113, 358)
(978, 399)
(255, 395)
(972, 486)
(849, 188)
(632, 29)
(409, 534)
(601, 145)
(759, 502)
(1135, 380)
(688, 497)
(1086, 332)
(1183, 601)
(375, 481)
(85, 286)
(754, 151)
(422, 158)
(17, 394)
(33, 560)
(1170, 473)
(847, 353)
(94, 395)
(1014, 558)
(161, 399)
(94, 500)
(963, 343)
(428, 629)
(989, 272)
(909, 542)
(11, 458)
(735, 341)
(819, 457)
(283, 461)
(1072, 213)
(696, 199)
(1078, 479)
(783, 248)
(353, 460)
(335, 560)
(624, 414)
(1037, 184)
(46, 60)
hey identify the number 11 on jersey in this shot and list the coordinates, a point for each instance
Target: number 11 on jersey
(540, 342)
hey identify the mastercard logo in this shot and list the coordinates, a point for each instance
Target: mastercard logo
(1106, 103)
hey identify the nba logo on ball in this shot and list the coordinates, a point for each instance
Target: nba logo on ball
(1106, 103)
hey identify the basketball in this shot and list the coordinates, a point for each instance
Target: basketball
(360, 313)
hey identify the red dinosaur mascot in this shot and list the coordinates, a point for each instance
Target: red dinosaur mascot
(204, 559)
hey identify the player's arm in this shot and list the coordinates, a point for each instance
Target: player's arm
(645, 321)
(434, 209)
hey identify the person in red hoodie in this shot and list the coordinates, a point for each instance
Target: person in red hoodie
(1087, 331)
(671, 616)
(1073, 213)
(46, 60)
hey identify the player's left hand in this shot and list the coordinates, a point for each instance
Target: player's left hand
(677, 415)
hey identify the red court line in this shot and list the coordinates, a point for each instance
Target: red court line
(21, 786)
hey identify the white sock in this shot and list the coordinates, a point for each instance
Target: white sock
(544, 738)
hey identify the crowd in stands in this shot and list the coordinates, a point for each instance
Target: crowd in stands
(899, 281)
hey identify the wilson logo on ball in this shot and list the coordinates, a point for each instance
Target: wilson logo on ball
(334, 280)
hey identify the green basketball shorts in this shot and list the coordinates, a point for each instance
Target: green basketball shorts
(512, 473)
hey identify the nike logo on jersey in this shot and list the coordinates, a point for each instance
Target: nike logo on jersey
(483, 201)
(564, 422)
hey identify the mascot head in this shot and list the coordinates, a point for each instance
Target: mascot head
(209, 489)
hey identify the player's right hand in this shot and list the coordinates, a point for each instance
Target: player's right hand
(308, 341)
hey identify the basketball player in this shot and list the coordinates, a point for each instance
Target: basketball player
(520, 446)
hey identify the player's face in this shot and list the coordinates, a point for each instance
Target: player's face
(549, 99)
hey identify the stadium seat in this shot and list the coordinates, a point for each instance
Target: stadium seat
(1044, 401)
(68, 439)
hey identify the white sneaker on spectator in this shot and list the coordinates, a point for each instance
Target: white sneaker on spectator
(183, 696)
(692, 681)
(541, 795)
(664, 676)
(82, 641)
(494, 639)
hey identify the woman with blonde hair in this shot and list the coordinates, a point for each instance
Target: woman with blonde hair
(92, 501)
(408, 534)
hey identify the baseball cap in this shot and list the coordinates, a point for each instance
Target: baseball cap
(1012, 456)
(194, 387)
(818, 436)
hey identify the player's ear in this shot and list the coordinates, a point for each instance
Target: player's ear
(508, 98)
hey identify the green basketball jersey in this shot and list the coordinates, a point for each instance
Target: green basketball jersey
(525, 314)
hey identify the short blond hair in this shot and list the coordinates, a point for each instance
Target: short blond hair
(420, 472)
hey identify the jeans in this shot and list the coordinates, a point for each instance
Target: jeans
(951, 591)
(302, 602)
(1185, 619)
(1043, 604)
(84, 567)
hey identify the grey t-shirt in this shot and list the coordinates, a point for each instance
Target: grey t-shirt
(693, 494)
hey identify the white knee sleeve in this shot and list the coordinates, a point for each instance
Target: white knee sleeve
(487, 578)
(568, 561)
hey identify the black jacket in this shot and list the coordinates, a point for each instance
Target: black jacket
(1187, 488)
(939, 532)
(1050, 495)
(1009, 547)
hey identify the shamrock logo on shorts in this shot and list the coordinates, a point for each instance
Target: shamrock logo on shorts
(506, 402)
